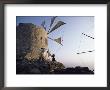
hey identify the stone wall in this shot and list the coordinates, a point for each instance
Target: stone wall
(23, 38)
(29, 40)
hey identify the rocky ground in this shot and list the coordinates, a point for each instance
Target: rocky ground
(24, 66)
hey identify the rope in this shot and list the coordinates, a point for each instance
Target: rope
(81, 60)
(88, 36)
(81, 42)
(86, 52)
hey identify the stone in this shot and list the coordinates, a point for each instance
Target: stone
(29, 41)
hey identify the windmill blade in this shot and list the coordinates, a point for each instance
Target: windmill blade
(58, 40)
(52, 20)
(43, 23)
(45, 28)
(60, 23)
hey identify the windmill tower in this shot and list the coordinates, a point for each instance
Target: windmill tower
(40, 38)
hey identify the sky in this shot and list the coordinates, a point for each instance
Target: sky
(73, 40)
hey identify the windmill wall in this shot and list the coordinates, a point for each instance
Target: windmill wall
(29, 40)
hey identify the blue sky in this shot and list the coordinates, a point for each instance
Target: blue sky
(73, 40)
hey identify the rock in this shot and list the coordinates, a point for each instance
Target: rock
(48, 67)
(35, 71)
(56, 65)
(37, 66)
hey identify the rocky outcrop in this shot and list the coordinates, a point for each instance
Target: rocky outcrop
(48, 67)
(55, 65)
(37, 66)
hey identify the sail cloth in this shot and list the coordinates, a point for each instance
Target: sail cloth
(58, 40)
(86, 52)
(60, 23)
(88, 36)
(52, 21)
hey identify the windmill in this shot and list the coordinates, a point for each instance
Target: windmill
(40, 36)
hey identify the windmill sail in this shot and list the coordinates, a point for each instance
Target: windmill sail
(60, 23)
(52, 21)
(43, 23)
(58, 40)
(45, 28)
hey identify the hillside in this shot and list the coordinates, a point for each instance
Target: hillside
(48, 67)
